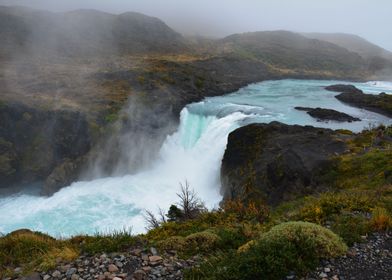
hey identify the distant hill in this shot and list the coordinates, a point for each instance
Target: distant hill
(290, 50)
(84, 32)
(353, 43)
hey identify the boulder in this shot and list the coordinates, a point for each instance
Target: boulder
(278, 162)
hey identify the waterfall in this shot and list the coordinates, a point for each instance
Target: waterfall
(193, 153)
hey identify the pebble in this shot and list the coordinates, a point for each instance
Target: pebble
(112, 268)
(155, 259)
(56, 274)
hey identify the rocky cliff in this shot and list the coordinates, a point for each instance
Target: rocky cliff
(278, 162)
(32, 141)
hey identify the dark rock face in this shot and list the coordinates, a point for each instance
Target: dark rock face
(344, 88)
(322, 114)
(34, 141)
(381, 103)
(277, 161)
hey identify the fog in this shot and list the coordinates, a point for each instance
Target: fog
(367, 18)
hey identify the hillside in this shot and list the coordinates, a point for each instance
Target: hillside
(288, 50)
(353, 43)
(83, 33)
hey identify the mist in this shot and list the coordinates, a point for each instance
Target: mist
(365, 18)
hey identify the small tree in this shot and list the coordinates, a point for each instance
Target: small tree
(175, 214)
(190, 205)
(151, 220)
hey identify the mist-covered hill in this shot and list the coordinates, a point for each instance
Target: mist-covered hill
(83, 33)
(353, 43)
(289, 50)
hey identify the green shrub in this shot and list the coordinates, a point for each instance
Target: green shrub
(33, 250)
(350, 228)
(329, 204)
(230, 238)
(292, 246)
(177, 243)
(201, 242)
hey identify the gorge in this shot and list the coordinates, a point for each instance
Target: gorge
(193, 153)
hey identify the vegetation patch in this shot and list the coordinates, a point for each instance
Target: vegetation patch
(33, 250)
(292, 246)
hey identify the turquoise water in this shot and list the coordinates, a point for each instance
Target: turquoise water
(193, 153)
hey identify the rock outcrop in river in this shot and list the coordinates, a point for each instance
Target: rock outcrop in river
(381, 103)
(322, 114)
(278, 162)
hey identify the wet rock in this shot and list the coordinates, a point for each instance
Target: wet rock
(322, 114)
(381, 103)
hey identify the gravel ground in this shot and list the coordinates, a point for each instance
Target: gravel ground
(371, 259)
(137, 264)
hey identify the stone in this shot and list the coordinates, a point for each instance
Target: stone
(46, 277)
(70, 272)
(323, 275)
(101, 277)
(335, 277)
(75, 277)
(18, 270)
(56, 274)
(117, 278)
(33, 276)
(119, 264)
(154, 251)
(155, 259)
(112, 268)
(146, 268)
(139, 275)
(327, 270)
(136, 252)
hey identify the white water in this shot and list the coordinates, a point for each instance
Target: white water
(193, 153)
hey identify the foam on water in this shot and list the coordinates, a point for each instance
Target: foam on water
(193, 153)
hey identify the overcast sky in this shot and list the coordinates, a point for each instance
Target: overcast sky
(371, 19)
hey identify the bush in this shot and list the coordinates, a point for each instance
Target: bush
(201, 242)
(33, 250)
(315, 239)
(230, 238)
(292, 246)
(177, 243)
(351, 228)
(325, 207)
(381, 219)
